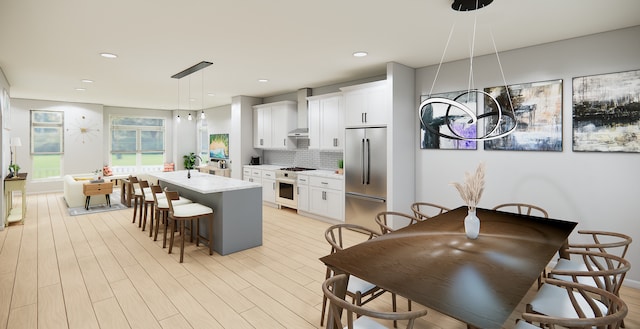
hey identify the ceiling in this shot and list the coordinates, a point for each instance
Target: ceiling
(48, 47)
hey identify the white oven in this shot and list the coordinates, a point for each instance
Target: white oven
(286, 186)
(286, 190)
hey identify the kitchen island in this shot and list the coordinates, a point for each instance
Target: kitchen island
(237, 205)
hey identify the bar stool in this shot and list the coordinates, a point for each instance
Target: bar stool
(188, 212)
(149, 202)
(162, 210)
(137, 197)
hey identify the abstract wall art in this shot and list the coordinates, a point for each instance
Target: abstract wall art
(606, 112)
(538, 113)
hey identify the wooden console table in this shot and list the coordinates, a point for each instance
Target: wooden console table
(16, 183)
(89, 189)
(215, 170)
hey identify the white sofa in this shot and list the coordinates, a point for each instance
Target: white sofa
(73, 188)
(73, 191)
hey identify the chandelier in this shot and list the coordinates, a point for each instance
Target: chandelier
(457, 113)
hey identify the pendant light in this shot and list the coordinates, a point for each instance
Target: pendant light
(202, 115)
(502, 126)
(184, 73)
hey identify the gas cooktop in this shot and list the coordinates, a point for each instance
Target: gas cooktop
(296, 169)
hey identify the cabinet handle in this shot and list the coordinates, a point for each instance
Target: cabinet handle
(261, 141)
(335, 142)
(284, 142)
(298, 190)
(365, 117)
(362, 117)
(324, 195)
(274, 186)
(324, 183)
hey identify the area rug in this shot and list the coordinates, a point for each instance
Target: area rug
(115, 205)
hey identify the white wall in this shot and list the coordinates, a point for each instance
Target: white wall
(82, 151)
(401, 143)
(597, 190)
(4, 141)
(241, 135)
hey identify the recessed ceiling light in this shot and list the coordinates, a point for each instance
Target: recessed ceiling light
(108, 55)
(81, 89)
(211, 94)
(360, 54)
(87, 81)
(263, 80)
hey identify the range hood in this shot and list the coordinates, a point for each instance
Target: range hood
(299, 133)
(302, 131)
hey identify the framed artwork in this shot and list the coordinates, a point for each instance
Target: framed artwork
(434, 115)
(538, 114)
(606, 112)
(219, 146)
(6, 109)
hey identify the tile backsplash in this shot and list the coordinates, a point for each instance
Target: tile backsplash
(302, 156)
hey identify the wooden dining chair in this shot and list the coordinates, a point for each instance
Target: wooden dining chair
(190, 212)
(341, 236)
(577, 306)
(399, 220)
(426, 210)
(604, 271)
(365, 315)
(523, 209)
(605, 242)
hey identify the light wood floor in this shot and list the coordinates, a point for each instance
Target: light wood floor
(101, 271)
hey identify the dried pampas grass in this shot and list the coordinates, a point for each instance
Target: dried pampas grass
(473, 186)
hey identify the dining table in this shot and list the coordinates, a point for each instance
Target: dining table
(477, 281)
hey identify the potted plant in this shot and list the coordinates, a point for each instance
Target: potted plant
(340, 167)
(190, 160)
(14, 168)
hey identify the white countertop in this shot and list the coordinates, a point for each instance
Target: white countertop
(322, 173)
(317, 172)
(203, 183)
(265, 167)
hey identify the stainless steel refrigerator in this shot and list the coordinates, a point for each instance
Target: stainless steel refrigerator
(365, 170)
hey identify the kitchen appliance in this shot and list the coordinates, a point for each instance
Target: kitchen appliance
(365, 172)
(286, 183)
(255, 161)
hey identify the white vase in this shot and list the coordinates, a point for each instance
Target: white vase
(472, 225)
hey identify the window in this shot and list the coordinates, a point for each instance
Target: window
(47, 143)
(137, 143)
(204, 140)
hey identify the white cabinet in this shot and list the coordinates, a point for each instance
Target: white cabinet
(367, 104)
(271, 124)
(303, 192)
(326, 122)
(252, 175)
(269, 186)
(326, 197)
(261, 127)
(265, 177)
